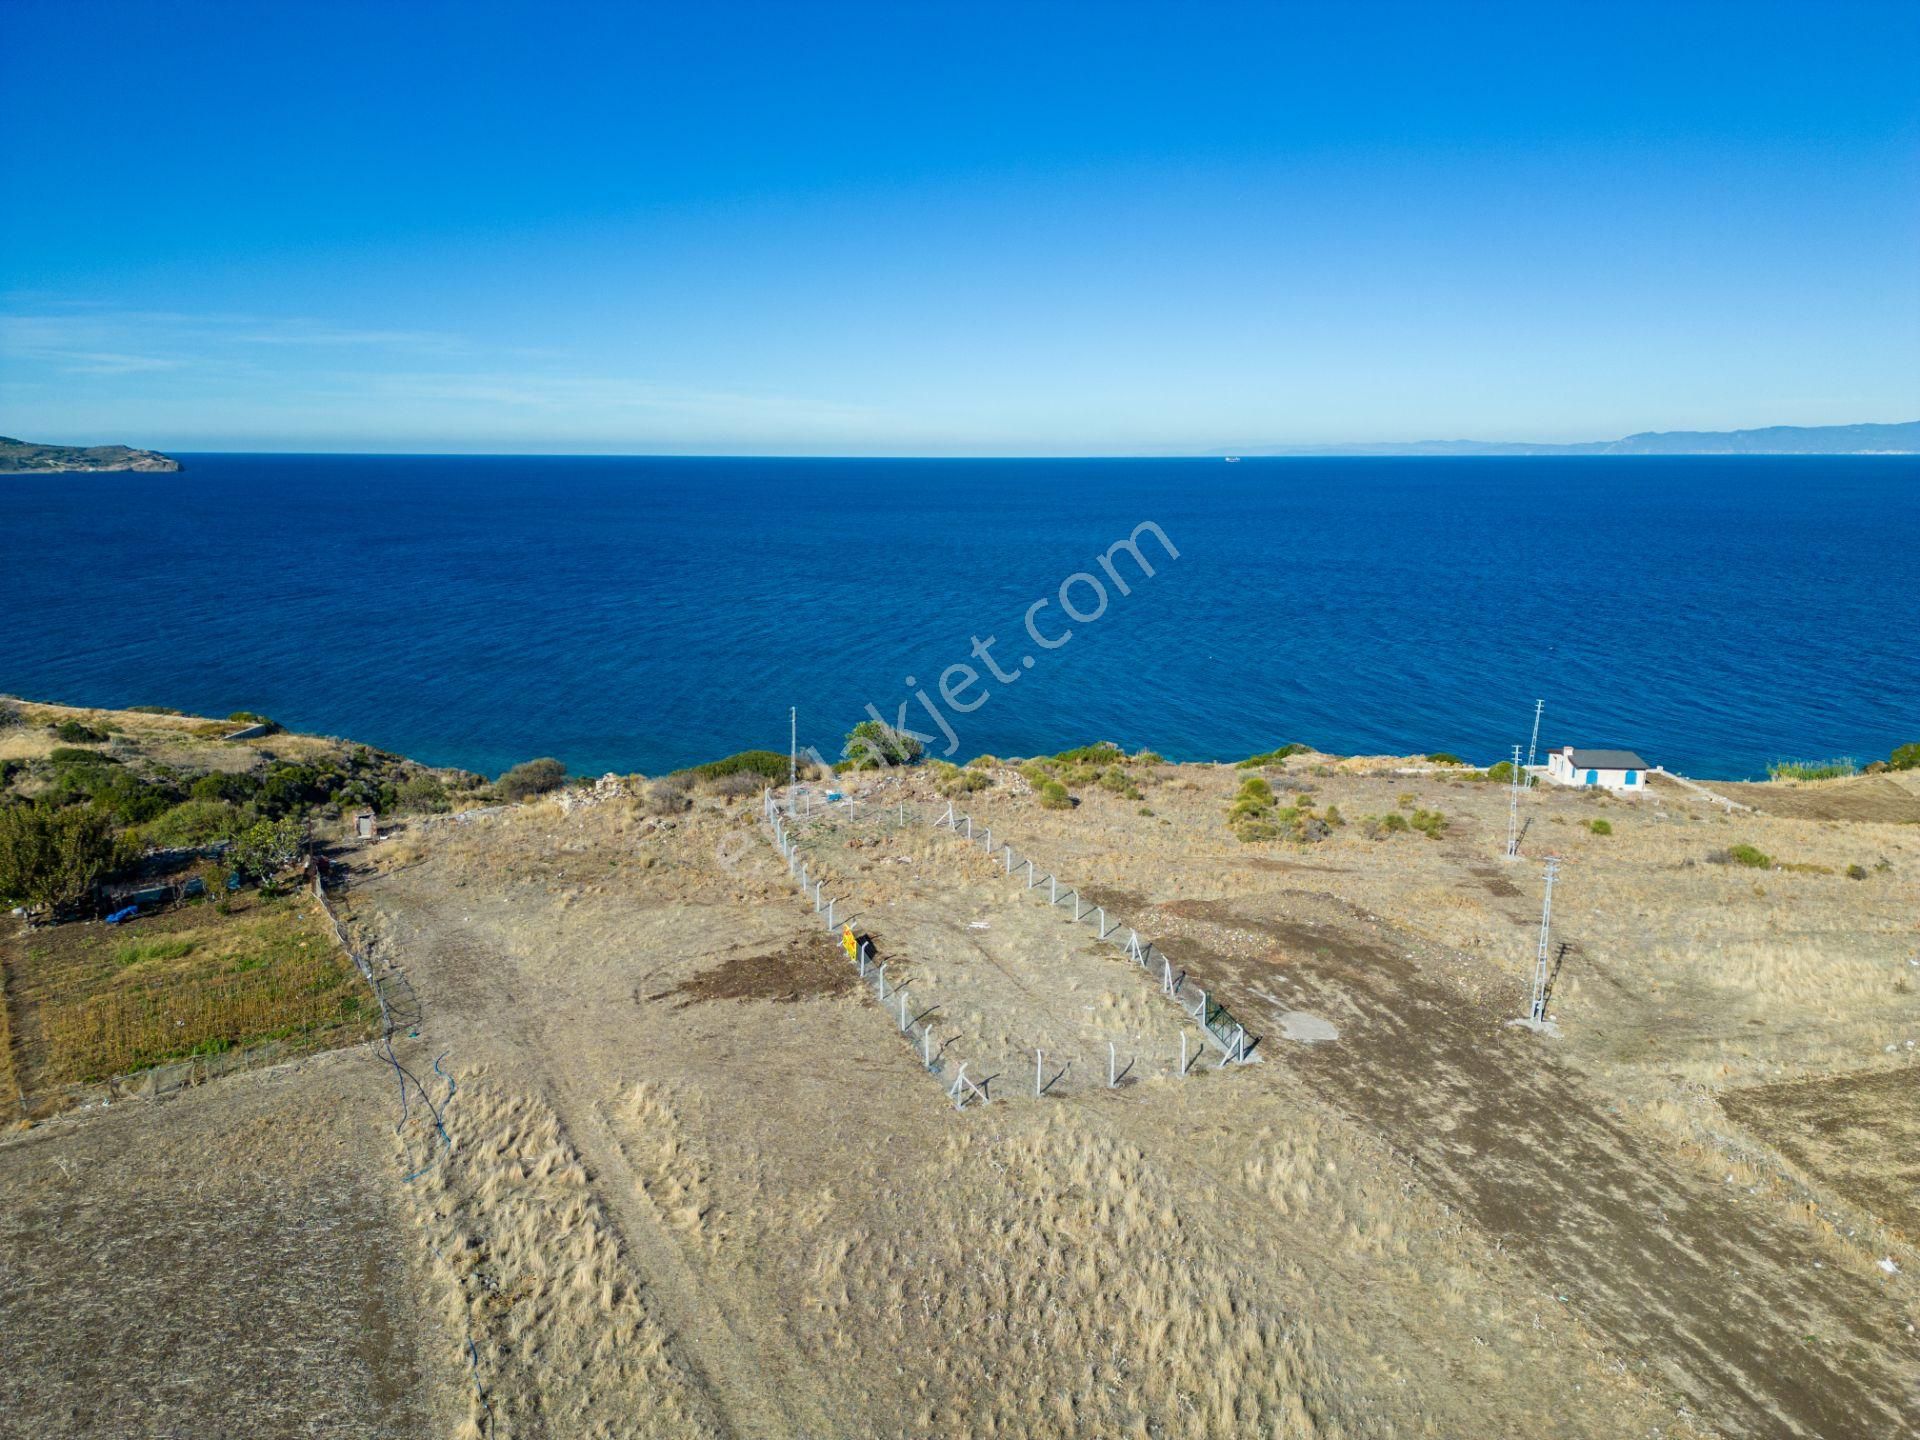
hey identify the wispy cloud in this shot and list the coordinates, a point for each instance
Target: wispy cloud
(79, 338)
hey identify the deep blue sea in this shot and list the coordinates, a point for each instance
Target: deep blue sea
(643, 614)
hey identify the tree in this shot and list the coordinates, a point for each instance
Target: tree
(530, 778)
(267, 847)
(874, 745)
(54, 856)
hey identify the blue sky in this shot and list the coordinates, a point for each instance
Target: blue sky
(908, 229)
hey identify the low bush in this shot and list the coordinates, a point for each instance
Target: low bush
(1054, 796)
(1394, 821)
(738, 785)
(193, 822)
(983, 762)
(1273, 757)
(1812, 769)
(1103, 752)
(766, 765)
(1445, 757)
(10, 715)
(1748, 855)
(75, 733)
(1430, 823)
(530, 778)
(1856, 872)
(954, 780)
(73, 755)
(1906, 757)
(1600, 827)
(1120, 783)
(425, 793)
(151, 710)
(666, 797)
(872, 745)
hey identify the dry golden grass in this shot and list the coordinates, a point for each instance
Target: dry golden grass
(532, 1270)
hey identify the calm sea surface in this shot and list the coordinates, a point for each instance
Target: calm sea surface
(642, 614)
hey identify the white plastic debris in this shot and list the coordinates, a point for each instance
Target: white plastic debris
(1888, 1266)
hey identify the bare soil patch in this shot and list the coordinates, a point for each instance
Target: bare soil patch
(1858, 1133)
(805, 970)
(1869, 797)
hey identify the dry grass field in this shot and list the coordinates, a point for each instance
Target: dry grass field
(87, 1002)
(700, 1183)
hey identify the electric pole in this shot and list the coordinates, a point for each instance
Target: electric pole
(1513, 807)
(1538, 1009)
(1534, 743)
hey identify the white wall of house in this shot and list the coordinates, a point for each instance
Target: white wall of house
(1561, 770)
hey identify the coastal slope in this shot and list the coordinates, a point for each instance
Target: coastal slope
(22, 457)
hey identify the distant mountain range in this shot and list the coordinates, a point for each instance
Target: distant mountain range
(1900, 439)
(21, 457)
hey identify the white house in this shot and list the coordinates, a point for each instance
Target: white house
(1602, 769)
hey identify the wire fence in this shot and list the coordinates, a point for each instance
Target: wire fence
(916, 1026)
(1217, 1023)
(786, 816)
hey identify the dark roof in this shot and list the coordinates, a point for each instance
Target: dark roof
(1604, 759)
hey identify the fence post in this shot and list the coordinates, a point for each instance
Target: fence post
(1113, 1058)
(1053, 889)
(1029, 874)
(1183, 1051)
(830, 905)
(969, 827)
(902, 993)
(880, 982)
(987, 843)
(1076, 907)
(1009, 850)
(1039, 1068)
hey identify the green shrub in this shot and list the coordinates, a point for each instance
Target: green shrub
(266, 847)
(1273, 757)
(70, 755)
(1393, 820)
(1856, 872)
(193, 822)
(422, 792)
(1749, 856)
(953, 780)
(1149, 757)
(1430, 823)
(151, 710)
(1906, 757)
(767, 764)
(1600, 827)
(233, 789)
(1812, 769)
(1333, 816)
(1405, 800)
(983, 762)
(54, 856)
(1120, 784)
(1146, 811)
(249, 717)
(1103, 752)
(1054, 796)
(872, 745)
(530, 778)
(74, 733)
(1445, 757)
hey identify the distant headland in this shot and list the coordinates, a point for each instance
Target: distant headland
(1897, 439)
(19, 457)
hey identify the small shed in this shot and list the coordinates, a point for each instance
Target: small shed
(365, 826)
(1620, 770)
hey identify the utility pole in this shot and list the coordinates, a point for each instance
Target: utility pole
(1513, 808)
(1538, 1009)
(793, 747)
(1534, 744)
